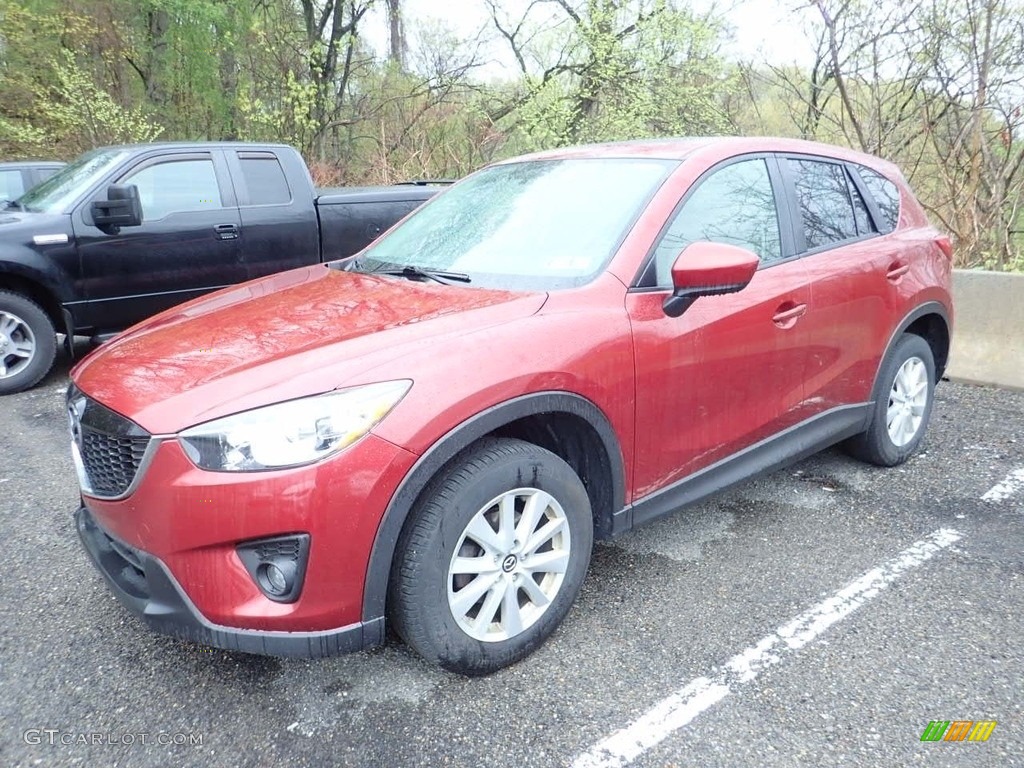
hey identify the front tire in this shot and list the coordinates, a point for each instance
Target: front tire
(492, 558)
(903, 408)
(28, 343)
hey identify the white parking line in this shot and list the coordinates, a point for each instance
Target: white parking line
(700, 694)
(1001, 491)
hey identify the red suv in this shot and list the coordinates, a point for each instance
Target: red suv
(556, 349)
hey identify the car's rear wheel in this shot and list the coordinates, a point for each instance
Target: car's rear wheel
(492, 558)
(903, 408)
(28, 343)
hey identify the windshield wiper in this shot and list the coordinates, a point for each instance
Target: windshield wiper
(412, 272)
(408, 271)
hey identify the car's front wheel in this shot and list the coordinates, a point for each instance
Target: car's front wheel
(28, 343)
(903, 408)
(493, 556)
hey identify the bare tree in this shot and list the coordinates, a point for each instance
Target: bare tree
(397, 46)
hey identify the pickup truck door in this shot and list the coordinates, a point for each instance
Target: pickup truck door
(187, 245)
(276, 203)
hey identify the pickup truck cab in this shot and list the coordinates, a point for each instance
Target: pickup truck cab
(125, 232)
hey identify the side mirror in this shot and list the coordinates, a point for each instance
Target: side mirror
(122, 208)
(708, 269)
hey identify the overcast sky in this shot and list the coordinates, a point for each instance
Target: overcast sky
(771, 30)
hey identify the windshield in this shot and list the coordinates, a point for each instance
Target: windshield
(60, 190)
(535, 225)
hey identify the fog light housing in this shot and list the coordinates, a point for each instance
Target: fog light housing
(277, 565)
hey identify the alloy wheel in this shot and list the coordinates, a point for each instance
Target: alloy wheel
(908, 400)
(509, 564)
(17, 345)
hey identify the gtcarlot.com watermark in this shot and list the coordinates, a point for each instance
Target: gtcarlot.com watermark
(55, 736)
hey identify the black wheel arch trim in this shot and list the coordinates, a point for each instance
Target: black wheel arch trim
(928, 308)
(447, 447)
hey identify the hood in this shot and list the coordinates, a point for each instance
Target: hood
(19, 226)
(293, 334)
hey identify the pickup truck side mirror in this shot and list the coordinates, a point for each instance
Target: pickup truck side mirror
(708, 269)
(122, 208)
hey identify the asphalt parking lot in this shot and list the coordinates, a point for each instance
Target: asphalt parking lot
(821, 616)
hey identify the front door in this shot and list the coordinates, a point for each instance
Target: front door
(186, 246)
(730, 371)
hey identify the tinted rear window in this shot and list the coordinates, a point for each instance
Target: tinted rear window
(265, 181)
(825, 205)
(886, 195)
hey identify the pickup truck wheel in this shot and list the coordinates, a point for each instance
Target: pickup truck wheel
(28, 343)
(493, 557)
(901, 413)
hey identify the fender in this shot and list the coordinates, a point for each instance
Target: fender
(45, 271)
(46, 277)
(426, 467)
(928, 308)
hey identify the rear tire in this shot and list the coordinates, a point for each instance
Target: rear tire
(903, 407)
(28, 343)
(492, 558)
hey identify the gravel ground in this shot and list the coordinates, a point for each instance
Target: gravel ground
(661, 606)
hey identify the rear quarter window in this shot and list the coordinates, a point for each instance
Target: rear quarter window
(887, 198)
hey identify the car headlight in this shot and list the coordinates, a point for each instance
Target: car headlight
(292, 433)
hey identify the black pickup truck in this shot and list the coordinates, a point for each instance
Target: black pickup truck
(125, 232)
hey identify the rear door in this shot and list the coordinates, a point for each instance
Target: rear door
(852, 299)
(730, 371)
(279, 224)
(186, 246)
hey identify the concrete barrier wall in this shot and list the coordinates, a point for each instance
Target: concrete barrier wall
(988, 328)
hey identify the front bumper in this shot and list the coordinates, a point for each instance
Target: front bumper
(144, 585)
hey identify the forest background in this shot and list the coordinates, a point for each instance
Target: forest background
(369, 94)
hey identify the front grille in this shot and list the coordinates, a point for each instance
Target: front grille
(108, 447)
(111, 462)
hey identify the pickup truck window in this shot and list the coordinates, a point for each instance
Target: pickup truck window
(265, 181)
(59, 192)
(11, 185)
(176, 186)
(539, 225)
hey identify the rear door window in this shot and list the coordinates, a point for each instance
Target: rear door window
(264, 180)
(826, 208)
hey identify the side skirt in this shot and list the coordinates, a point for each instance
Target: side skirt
(772, 453)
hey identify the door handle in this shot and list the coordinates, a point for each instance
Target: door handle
(788, 313)
(226, 231)
(896, 271)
